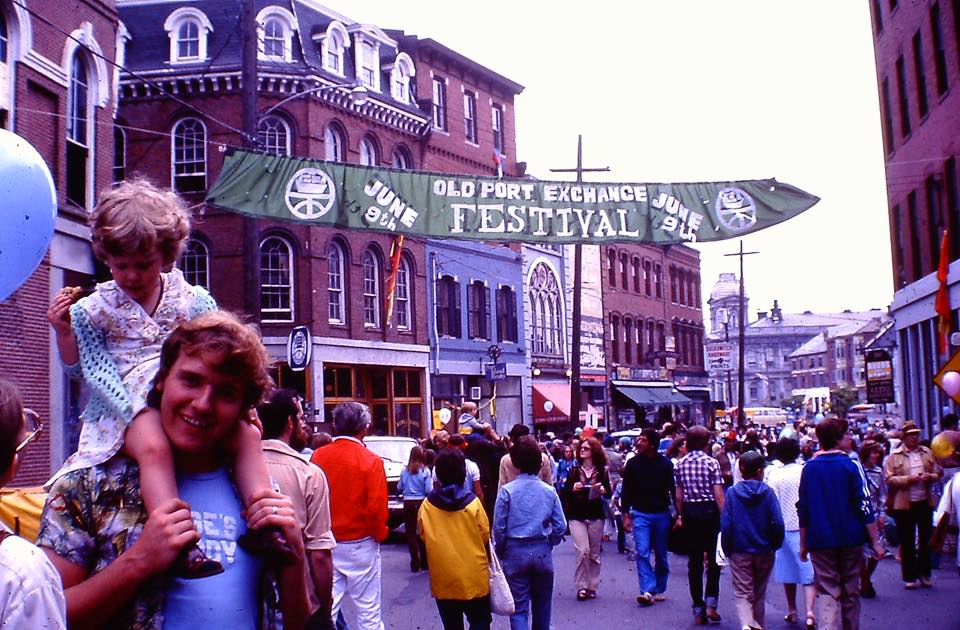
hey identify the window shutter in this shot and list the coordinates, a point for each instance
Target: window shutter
(455, 325)
(486, 314)
(512, 316)
(501, 314)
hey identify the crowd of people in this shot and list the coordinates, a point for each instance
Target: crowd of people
(194, 478)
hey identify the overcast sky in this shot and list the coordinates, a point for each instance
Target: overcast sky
(699, 90)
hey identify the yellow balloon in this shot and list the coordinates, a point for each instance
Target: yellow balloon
(942, 447)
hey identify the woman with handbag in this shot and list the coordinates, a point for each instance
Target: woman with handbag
(528, 523)
(586, 485)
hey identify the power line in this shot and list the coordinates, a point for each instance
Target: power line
(135, 75)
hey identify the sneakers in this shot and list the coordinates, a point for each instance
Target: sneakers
(659, 597)
(925, 582)
(645, 599)
(910, 585)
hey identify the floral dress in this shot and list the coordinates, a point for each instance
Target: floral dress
(119, 345)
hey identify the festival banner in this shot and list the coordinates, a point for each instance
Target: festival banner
(416, 203)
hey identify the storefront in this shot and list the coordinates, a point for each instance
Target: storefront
(499, 402)
(639, 404)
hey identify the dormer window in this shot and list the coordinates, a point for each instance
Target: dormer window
(367, 61)
(400, 73)
(275, 27)
(332, 47)
(188, 29)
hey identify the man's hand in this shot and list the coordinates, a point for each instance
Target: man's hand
(168, 529)
(803, 553)
(272, 509)
(627, 523)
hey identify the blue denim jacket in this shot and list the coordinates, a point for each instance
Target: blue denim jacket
(529, 509)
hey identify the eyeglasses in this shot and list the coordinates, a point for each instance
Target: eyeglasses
(31, 422)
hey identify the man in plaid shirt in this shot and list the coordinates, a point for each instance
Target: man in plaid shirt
(699, 502)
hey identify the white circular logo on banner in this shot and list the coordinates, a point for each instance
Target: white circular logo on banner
(445, 415)
(310, 193)
(548, 406)
(735, 209)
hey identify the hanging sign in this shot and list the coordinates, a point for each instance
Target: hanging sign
(485, 208)
(299, 345)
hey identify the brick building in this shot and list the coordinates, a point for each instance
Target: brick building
(426, 107)
(917, 50)
(58, 91)
(654, 334)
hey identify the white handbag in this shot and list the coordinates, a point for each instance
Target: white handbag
(501, 599)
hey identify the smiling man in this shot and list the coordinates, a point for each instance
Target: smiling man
(114, 558)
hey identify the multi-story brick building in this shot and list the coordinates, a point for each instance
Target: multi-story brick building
(654, 334)
(917, 50)
(311, 61)
(58, 91)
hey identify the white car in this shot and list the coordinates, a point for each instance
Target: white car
(395, 453)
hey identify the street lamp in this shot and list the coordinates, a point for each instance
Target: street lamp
(357, 94)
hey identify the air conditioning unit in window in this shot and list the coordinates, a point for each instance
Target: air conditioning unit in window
(474, 393)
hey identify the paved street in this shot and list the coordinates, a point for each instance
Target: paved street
(407, 602)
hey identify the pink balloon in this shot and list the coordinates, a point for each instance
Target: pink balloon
(951, 383)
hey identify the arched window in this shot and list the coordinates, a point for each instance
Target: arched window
(276, 280)
(336, 289)
(189, 156)
(612, 268)
(547, 322)
(403, 69)
(658, 280)
(368, 152)
(401, 159)
(119, 154)
(615, 338)
(624, 272)
(651, 340)
(188, 29)
(627, 340)
(636, 275)
(401, 296)
(334, 143)
(78, 130)
(273, 134)
(275, 28)
(673, 285)
(195, 263)
(333, 46)
(371, 290)
(639, 341)
(647, 278)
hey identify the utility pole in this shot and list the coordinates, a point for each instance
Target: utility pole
(741, 325)
(577, 290)
(248, 80)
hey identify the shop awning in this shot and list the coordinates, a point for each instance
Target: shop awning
(644, 396)
(551, 402)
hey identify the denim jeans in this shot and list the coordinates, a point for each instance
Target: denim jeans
(650, 532)
(528, 566)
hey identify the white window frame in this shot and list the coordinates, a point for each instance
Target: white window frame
(547, 307)
(496, 116)
(335, 42)
(362, 46)
(401, 71)
(278, 314)
(334, 142)
(336, 285)
(439, 103)
(288, 24)
(172, 26)
(470, 117)
(371, 289)
(369, 156)
(176, 135)
(270, 131)
(81, 120)
(401, 158)
(402, 294)
(119, 154)
(195, 263)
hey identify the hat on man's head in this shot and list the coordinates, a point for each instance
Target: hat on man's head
(730, 435)
(910, 427)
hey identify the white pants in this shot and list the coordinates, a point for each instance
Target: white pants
(356, 576)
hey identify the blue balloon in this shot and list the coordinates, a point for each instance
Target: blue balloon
(28, 206)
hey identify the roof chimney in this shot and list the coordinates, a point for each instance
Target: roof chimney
(761, 315)
(775, 313)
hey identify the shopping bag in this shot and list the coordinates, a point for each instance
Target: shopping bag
(721, 557)
(501, 599)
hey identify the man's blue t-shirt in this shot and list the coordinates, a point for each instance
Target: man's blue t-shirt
(231, 599)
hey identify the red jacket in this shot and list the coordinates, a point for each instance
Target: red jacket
(358, 489)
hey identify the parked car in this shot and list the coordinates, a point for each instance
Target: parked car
(395, 452)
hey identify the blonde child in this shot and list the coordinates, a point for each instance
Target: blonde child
(113, 338)
(416, 482)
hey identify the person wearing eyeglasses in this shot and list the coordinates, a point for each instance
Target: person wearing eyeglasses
(31, 593)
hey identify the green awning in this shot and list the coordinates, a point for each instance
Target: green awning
(644, 396)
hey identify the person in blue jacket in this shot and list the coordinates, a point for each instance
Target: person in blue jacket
(751, 531)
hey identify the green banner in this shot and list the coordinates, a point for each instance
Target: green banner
(438, 205)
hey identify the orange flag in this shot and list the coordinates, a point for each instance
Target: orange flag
(395, 249)
(942, 303)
